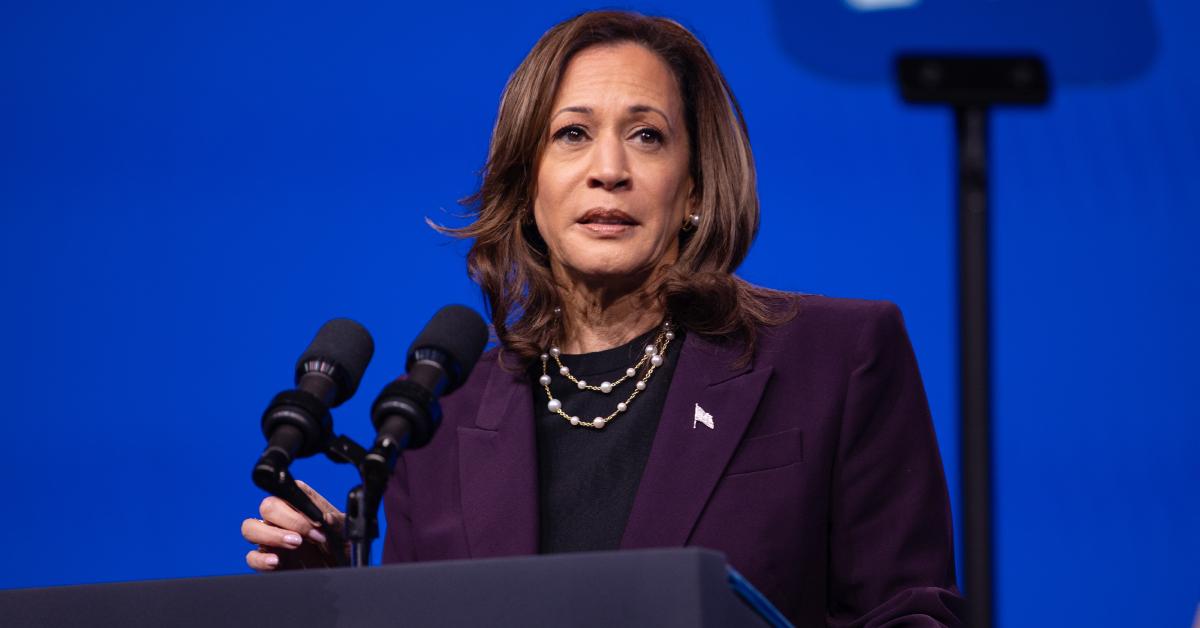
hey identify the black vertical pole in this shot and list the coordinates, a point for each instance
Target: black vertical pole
(971, 84)
(971, 132)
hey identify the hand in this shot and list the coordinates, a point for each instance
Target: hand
(287, 539)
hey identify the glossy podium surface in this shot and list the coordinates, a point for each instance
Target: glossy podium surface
(660, 588)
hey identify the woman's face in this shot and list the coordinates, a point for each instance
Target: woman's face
(613, 184)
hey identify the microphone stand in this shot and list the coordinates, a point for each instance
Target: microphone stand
(361, 527)
(362, 521)
(362, 502)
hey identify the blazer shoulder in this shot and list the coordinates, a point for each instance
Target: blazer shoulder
(829, 333)
(843, 309)
(832, 317)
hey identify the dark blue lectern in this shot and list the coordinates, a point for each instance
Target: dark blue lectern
(661, 588)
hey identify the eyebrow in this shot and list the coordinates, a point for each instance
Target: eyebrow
(632, 109)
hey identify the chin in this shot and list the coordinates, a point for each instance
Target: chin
(599, 269)
(614, 272)
(609, 260)
(616, 259)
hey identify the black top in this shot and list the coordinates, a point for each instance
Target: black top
(587, 478)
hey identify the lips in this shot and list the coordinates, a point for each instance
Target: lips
(607, 216)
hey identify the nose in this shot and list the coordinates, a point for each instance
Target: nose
(610, 165)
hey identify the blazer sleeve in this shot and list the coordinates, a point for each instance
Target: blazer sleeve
(891, 541)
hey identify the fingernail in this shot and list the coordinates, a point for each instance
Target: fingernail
(272, 560)
(316, 535)
(292, 539)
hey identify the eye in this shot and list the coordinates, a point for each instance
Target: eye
(649, 135)
(571, 134)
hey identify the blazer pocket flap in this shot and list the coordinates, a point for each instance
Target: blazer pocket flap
(760, 453)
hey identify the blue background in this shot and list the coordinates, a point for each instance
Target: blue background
(188, 190)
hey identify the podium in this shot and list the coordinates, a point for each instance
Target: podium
(662, 588)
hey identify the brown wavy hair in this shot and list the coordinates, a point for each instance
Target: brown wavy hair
(508, 258)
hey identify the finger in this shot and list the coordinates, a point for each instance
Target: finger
(263, 533)
(280, 514)
(262, 561)
(318, 499)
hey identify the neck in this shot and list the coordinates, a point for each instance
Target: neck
(599, 317)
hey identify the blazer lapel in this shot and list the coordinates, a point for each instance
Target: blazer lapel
(497, 470)
(688, 458)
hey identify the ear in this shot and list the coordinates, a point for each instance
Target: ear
(693, 197)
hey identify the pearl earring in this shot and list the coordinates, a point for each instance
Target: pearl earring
(691, 222)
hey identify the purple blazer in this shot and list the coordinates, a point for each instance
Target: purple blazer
(820, 479)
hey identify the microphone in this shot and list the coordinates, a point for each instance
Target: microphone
(297, 422)
(406, 413)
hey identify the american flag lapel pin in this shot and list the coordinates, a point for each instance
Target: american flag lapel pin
(702, 417)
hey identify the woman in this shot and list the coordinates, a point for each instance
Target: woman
(642, 395)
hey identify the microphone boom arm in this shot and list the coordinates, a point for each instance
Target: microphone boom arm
(271, 474)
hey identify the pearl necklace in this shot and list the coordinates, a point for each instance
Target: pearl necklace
(653, 354)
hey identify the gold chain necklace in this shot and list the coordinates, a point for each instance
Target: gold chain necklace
(654, 354)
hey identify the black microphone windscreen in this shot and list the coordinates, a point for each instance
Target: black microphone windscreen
(458, 331)
(348, 346)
